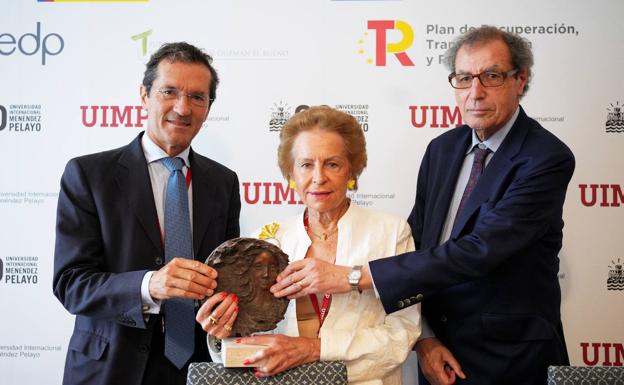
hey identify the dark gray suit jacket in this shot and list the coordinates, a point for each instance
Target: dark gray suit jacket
(107, 238)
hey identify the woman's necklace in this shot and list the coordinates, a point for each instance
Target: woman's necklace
(321, 236)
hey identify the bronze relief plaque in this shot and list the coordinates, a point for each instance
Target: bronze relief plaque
(248, 268)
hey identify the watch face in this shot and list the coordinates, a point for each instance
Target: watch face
(354, 276)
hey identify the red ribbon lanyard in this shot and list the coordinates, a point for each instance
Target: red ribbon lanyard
(322, 312)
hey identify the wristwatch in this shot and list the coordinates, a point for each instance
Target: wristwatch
(354, 276)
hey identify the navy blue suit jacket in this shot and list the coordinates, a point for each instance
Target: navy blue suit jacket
(492, 288)
(107, 238)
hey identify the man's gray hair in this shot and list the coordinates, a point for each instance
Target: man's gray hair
(519, 48)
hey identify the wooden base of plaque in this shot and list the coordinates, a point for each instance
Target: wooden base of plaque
(234, 354)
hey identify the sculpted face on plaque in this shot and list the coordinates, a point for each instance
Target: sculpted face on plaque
(264, 271)
(248, 268)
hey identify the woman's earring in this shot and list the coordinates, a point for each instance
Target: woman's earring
(351, 184)
(291, 184)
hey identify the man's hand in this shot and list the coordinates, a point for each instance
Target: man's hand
(437, 363)
(311, 275)
(183, 278)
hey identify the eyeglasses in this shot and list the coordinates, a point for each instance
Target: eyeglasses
(196, 99)
(487, 79)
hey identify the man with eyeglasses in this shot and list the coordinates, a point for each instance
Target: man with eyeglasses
(487, 223)
(134, 226)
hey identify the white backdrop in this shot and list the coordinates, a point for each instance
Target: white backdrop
(70, 70)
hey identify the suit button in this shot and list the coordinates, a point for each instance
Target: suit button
(400, 305)
(419, 297)
(159, 261)
(443, 318)
(407, 301)
(144, 349)
(414, 299)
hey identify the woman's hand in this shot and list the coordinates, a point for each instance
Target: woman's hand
(217, 314)
(281, 352)
(311, 275)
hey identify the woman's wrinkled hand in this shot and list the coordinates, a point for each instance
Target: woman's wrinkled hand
(281, 353)
(217, 314)
(311, 276)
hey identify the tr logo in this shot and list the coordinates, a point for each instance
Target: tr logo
(382, 47)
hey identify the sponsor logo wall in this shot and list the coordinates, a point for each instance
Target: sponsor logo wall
(70, 75)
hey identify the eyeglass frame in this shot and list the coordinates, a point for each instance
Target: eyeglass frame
(177, 94)
(505, 75)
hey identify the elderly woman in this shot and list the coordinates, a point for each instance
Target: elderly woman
(322, 153)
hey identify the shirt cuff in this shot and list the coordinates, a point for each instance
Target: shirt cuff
(373, 281)
(150, 306)
(426, 330)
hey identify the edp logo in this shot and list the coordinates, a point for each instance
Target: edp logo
(29, 44)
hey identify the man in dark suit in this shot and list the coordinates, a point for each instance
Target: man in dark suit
(110, 268)
(487, 224)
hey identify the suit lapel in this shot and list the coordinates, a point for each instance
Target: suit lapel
(450, 171)
(203, 198)
(134, 184)
(493, 174)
